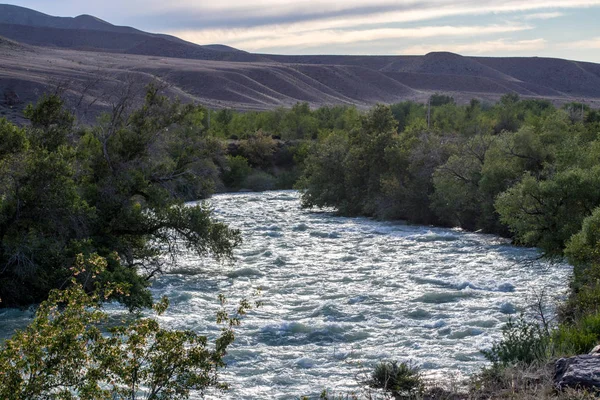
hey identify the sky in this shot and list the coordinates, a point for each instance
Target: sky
(547, 28)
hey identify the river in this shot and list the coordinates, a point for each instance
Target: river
(341, 294)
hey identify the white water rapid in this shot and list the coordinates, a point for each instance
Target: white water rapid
(341, 294)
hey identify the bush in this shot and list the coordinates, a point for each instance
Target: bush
(583, 252)
(399, 378)
(522, 341)
(287, 179)
(237, 171)
(259, 150)
(570, 340)
(583, 299)
(260, 181)
(67, 352)
(578, 338)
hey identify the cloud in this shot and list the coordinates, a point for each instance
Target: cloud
(349, 26)
(280, 38)
(548, 15)
(312, 8)
(248, 13)
(288, 26)
(482, 47)
(593, 43)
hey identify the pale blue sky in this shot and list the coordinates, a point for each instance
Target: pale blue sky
(546, 28)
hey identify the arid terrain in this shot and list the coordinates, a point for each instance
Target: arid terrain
(93, 63)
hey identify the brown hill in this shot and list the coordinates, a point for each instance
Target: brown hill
(93, 62)
(570, 78)
(86, 32)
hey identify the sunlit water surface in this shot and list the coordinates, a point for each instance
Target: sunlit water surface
(341, 294)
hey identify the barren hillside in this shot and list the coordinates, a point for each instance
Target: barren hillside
(93, 63)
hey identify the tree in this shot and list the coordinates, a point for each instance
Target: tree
(323, 182)
(365, 163)
(508, 118)
(66, 353)
(117, 187)
(546, 213)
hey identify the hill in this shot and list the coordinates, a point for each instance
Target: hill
(86, 32)
(92, 62)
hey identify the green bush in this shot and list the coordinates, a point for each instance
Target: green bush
(287, 179)
(399, 378)
(68, 352)
(578, 338)
(570, 340)
(259, 150)
(522, 341)
(237, 171)
(260, 181)
(582, 300)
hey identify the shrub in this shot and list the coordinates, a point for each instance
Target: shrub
(577, 338)
(259, 150)
(237, 171)
(583, 252)
(522, 341)
(399, 378)
(583, 299)
(66, 354)
(260, 181)
(569, 340)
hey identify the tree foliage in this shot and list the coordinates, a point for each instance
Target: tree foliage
(118, 187)
(520, 167)
(69, 351)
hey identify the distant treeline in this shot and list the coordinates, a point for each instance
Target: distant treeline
(303, 123)
(471, 166)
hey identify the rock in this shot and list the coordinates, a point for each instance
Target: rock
(595, 351)
(11, 98)
(578, 372)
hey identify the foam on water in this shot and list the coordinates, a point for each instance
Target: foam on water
(342, 293)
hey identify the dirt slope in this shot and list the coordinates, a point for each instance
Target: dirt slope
(92, 62)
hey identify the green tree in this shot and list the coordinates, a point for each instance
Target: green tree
(546, 213)
(65, 354)
(118, 187)
(365, 163)
(457, 199)
(323, 180)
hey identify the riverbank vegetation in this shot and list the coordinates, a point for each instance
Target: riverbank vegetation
(521, 168)
(72, 351)
(115, 189)
(115, 193)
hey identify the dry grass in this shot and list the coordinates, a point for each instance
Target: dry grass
(510, 383)
(515, 383)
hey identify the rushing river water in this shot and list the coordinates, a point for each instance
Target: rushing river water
(341, 294)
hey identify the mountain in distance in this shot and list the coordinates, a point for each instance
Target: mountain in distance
(86, 32)
(91, 60)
